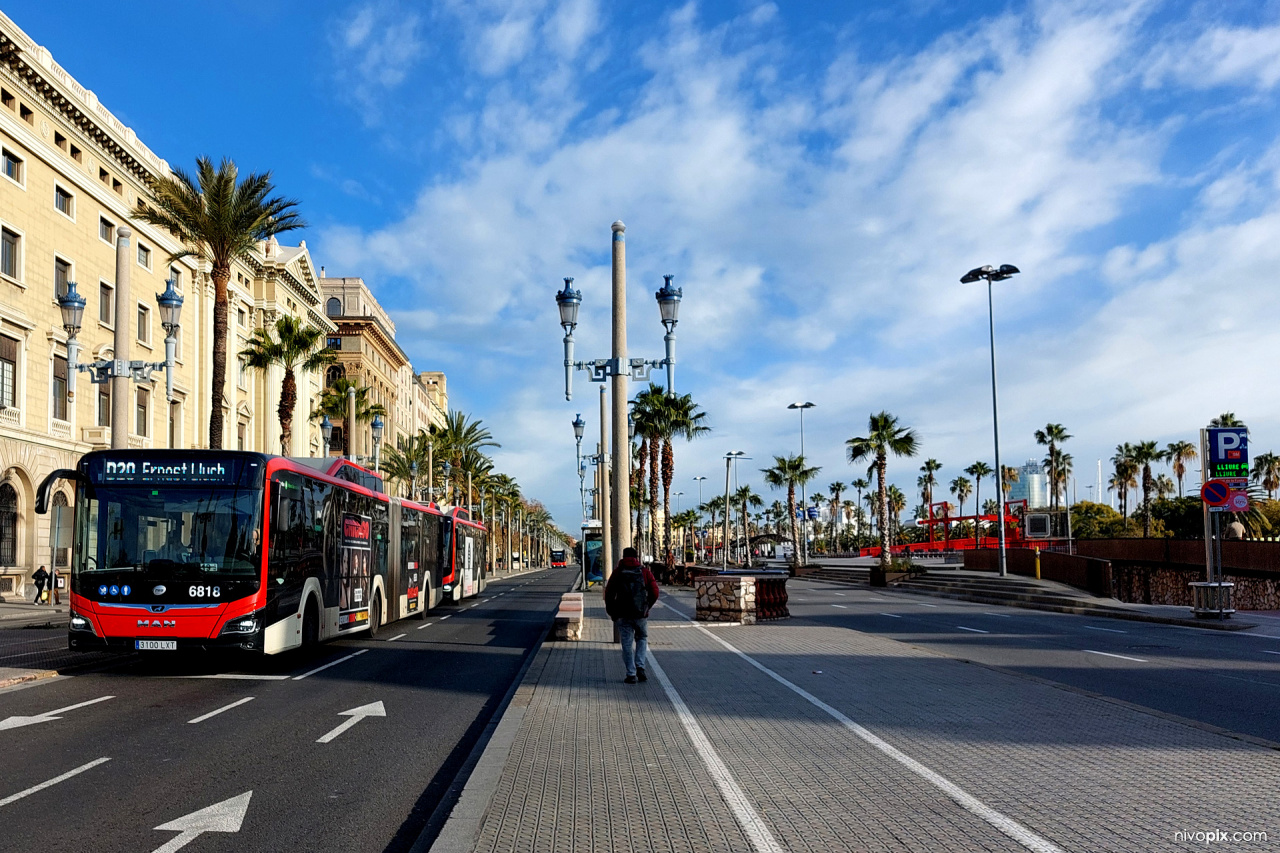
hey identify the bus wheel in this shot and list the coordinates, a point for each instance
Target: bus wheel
(310, 626)
(375, 615)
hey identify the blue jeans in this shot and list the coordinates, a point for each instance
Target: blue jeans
(635, 643)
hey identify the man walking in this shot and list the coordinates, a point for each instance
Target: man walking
(40, 578)
(628, 596)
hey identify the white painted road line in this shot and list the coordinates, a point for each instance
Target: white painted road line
(922, 604)
(425, 625)
(753, 826)
(840, 593)
(891, 615)
(373, 709)
(1110, 655)
(13, 798)
(1111, 630)
(204, 717)
(1269, 652)
(970, 803)
(841, 606)
(331, 663)
(397, 637)
(446, 616)
(240, 676)
(1001, 615)
(48, 716)
(226, 816)
(974, 630)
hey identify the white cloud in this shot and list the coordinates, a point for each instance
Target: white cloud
(375, 47)
(819, 223)
(1220, 55)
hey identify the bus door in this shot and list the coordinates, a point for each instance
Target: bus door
(354, 575)
(469, 564)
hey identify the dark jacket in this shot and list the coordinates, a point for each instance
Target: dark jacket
(40, 578)
(631, 564)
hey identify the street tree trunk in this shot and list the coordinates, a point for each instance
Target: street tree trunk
(288, 398)
(882, 492)
(795, 527)
(668, 474)
(221, 275)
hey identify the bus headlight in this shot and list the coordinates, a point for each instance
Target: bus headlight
(243, 625)
(80, 623)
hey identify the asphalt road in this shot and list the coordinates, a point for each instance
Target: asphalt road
(1226, 679)
(303, 734)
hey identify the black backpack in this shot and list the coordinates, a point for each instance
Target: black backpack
(630, 596)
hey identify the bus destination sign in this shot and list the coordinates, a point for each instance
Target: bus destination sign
(176, 471)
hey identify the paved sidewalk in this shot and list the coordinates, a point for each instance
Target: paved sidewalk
(15, 613)
(798, 737)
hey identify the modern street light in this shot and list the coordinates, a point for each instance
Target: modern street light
(326, 433)
(71, 304)
(579, 428)
(620, 369)
(991, 274)
(730, 457)
(699, 480)
(804, 505)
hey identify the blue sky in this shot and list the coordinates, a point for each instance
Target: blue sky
(817, 176)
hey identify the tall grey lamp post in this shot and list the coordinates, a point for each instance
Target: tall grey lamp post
(992, 274)
(120, 370)
(326, 433)
(729, 458)
(620, 369)
(804, 505)
(580, 427)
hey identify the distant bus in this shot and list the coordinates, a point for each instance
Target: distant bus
(559, 558)
(200, 549)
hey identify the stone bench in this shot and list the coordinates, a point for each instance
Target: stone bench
(742, 597)
(568, 621)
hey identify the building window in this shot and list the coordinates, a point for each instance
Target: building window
(6, 98)
(27, 115)
(12, 166)
(75, 154)
(61, 276)
(241, 316)
(333, 307)
(333, 342)
(144, 256)
(104, 404)
(60, 388)
(8, 373)
(174, 419)
(106, 229)
(117, 186)
(106, 304)
(10, 249)
(242, 432)
(8, 525)
(64, 201)
(60, 140)
(144, 324)
(242, 374)
(175, 275)
(143, 419)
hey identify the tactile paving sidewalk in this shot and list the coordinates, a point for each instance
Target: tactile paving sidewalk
(602, 766)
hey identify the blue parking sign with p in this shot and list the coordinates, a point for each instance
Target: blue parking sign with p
(1228, 452)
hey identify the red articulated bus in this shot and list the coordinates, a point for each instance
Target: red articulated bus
(177, 549)
(559, 558)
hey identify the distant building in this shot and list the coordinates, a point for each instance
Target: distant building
(1032, 485)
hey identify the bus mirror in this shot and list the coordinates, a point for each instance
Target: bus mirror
(45, 490)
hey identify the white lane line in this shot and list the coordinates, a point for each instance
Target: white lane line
(1001, 615)
(839, 593)
(13, 798)
(477, 604)
(970, 803)
(425, 625)
(753, 826)
(1110, 655)
(204, 717)
(922, 604)
(446, 616)
(881, 597)
(397, 637)
(891, 615)
(841, 606)
(1263, 636)
(331, 663)
(974, 630)
(1111, 630)
(1269, 652)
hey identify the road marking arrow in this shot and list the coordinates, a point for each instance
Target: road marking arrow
(225, 816)
(48, 716)
(373, 709)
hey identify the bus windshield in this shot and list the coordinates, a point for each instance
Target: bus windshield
(197, 533)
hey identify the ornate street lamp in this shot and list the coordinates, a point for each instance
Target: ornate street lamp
(568, 301)
(326, 433)
(376, 428)
(669, 305)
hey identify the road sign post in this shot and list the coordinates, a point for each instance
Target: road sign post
(1225, 483)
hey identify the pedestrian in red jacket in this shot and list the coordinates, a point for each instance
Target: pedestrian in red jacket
(628, 597)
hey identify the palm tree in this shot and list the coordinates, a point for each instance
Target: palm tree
(712, 508)
(1179, 453)
(837, 488)
(1226, 419)
(333, 403)
(1163, 486)
(787, 473)
(961, 488)
(1126, 471)
(884, 436)
(897, 503)
(977, 471)
(219, 219)
(859, 485)
(1052, 436)
(1008, 476)
(1266, 472)
(1142, 454)
(459, 442)
(293, 347)
(927, 480)
(680, 419)
(745, 499)
(650, 417)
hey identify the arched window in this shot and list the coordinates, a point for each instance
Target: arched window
(333, 374)
(8, 525)
(333, 307)
(61, 556)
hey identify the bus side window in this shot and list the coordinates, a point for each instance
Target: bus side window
(287, 525)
